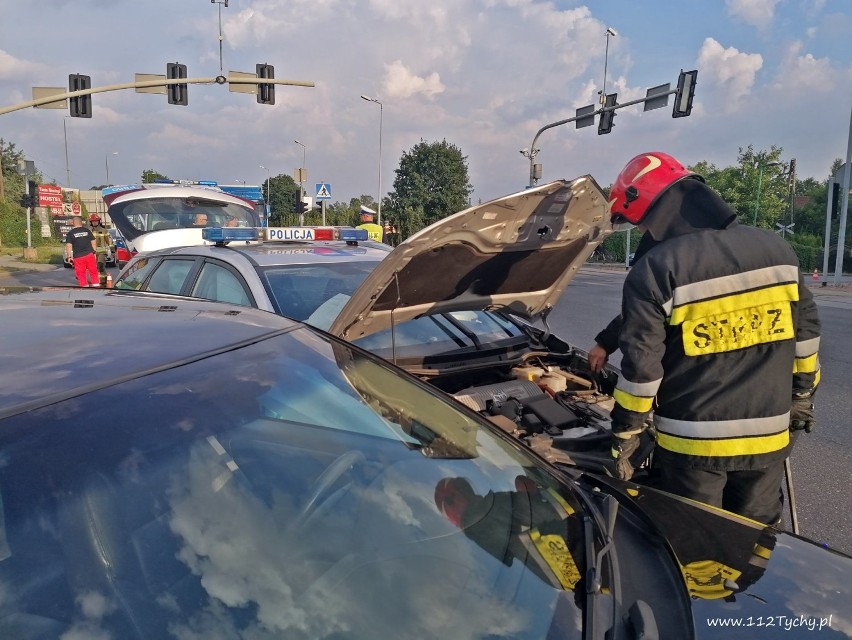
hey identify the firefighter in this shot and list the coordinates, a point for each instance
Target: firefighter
(102, 245)
(719, 337)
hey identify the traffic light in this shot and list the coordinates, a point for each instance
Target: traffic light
(685, 93)
(265, 90)
(605, 125)
(298, 202)
(29, 200)
(80, 106)
(177, 92)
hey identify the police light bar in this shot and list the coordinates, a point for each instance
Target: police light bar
(186, 183)
(229, 234)
(313, 234)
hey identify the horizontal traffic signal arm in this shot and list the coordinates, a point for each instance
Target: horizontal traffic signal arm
(57, 97)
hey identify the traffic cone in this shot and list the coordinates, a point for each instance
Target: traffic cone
(815, 275)
(109, 281)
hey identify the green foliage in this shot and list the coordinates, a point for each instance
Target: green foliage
(149, 175)
(280, 192)
(757, 188)
(614, 248)
(431, 183)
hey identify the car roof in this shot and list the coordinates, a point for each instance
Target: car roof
(124, 325)
(274, 254)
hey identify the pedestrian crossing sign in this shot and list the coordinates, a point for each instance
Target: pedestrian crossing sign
(323, 191)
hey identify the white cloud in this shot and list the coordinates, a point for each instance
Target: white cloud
(758, 13)
(400, 82)
(730, 70)
(15, 68)
(803, 72)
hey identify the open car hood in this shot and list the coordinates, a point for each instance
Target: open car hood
(514, 254)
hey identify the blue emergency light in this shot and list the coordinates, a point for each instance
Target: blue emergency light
(229, 234)
(353, 235)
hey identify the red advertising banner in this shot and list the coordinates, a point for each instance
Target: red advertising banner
(49, 195)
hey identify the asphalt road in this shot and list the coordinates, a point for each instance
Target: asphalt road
(822, 460)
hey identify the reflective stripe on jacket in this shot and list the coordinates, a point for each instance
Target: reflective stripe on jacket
(719, 331)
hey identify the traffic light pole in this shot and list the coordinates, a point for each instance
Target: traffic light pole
(532, 153)
(142, 84)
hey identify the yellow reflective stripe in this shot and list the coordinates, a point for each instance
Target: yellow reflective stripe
(724, 447)
(640, 404)
(738, 428)
(735, 302)
(809, 364)
(816, 378)
(763, 552)
(735, 283)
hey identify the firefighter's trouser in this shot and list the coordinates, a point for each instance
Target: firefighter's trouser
(755, 494)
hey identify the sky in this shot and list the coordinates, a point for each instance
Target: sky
(484, 75)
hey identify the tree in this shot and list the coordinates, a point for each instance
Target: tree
(431, 183)
(757, 187)
(280, 192)
(149, 175)
(13, 181)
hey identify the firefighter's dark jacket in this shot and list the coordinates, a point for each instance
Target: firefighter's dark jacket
(608, 337)
(718, 333)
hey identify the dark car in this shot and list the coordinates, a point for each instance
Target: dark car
(214, 471)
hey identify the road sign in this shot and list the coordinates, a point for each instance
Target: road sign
(785, 228)
(75, 209)
(323, 191)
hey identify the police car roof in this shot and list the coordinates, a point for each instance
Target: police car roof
(270, 254)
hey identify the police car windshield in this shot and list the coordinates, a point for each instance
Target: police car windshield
(156, 214)
(314, 293)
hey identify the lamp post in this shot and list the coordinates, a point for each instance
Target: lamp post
(302, 176)
(106, 163)
(759, 184)
(221, 37)
(67, 168)
(268, 195)
(610, 32)
(381, 117)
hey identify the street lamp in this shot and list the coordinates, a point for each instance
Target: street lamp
(67, 168)
(268, 193)
(609, 33)
(759, 184)
(106, 162)
(302, 176)
(381, 117)
(221, 37)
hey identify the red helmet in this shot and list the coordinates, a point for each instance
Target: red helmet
(94, 218)
(641, 182)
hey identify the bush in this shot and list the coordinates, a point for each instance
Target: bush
(13, 228)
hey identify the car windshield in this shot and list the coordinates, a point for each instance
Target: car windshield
(156, 214)
(314, 293)
(321, 495)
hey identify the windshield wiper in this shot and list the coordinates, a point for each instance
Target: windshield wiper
(594, 564)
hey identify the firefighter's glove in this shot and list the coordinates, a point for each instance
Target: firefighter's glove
(624, 445)
(802, 413)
